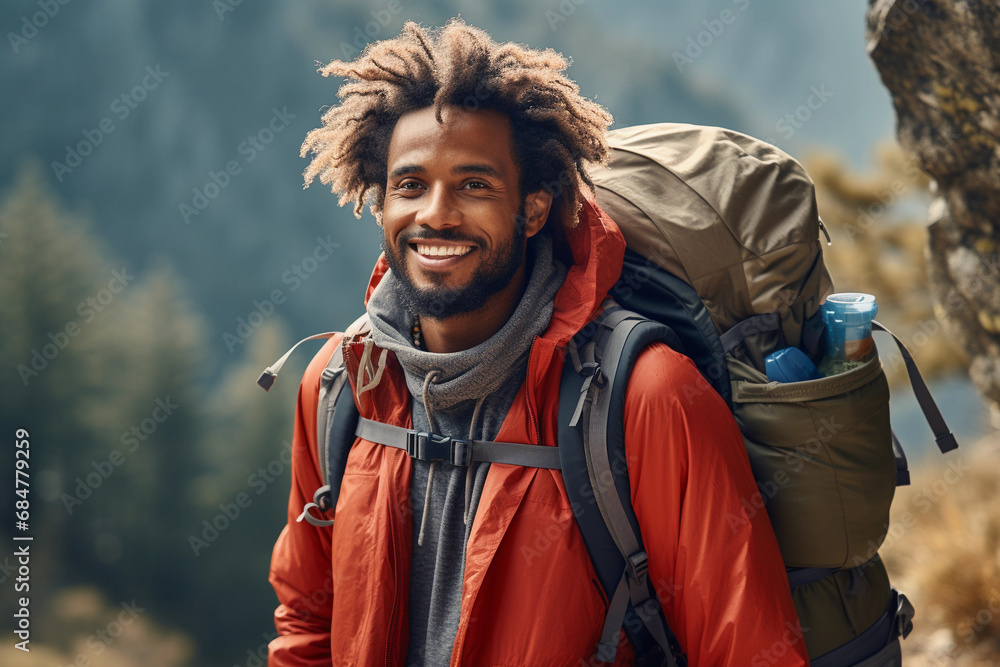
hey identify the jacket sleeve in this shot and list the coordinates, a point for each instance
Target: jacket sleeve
(715, 567)
(300, 563)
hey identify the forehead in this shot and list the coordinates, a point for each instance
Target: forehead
(463, 137)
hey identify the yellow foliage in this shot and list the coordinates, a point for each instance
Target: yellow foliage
(945, 556)
(878, 225)
(90, 631)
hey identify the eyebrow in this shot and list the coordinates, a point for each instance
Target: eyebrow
(477, 169)
(484, 169)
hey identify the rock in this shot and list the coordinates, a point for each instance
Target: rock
(940, 60)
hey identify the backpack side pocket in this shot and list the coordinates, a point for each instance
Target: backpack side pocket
(821, 452)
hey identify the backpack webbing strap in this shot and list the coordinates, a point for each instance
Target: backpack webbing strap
(942, 434)
(751, 326)
(800, 576)
(331, 382)
(434, 447)
(897, 621)
(603, 433)
(270, 374)
(902, 468)
(337, 417)
(607, 561)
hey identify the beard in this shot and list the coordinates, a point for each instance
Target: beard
(441, 302)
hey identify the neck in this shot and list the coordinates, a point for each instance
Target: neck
(468, 330)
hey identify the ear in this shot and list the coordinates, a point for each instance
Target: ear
(536, 211)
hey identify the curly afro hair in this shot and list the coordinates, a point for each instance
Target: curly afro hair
(556, 132)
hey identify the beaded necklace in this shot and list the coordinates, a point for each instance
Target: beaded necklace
(415, 337)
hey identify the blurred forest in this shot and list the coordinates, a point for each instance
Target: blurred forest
(133, 330)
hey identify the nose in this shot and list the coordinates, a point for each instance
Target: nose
(438, 209)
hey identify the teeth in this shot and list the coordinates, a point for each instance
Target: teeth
(442, 251)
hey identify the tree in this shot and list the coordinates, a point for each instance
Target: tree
(134, 446)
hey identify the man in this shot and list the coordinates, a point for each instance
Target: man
(472, 156)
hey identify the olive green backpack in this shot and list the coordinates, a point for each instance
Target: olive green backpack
(733, 221)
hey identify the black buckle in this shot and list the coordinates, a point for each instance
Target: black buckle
(638, 565)
(592, 369)
(435, 447)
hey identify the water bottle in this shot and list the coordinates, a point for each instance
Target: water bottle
(848, 318)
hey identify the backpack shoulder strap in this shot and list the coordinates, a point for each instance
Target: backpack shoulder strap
(336, 419)
(592, 449)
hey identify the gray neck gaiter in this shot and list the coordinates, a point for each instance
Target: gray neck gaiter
(480, 370)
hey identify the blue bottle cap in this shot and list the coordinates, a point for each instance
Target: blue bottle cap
(849, 308)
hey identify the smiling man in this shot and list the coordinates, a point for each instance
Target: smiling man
(455, 223)
(473, 157)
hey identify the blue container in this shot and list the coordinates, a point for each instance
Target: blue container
(848, 318)
(790, 365)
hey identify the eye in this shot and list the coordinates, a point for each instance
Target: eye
(476, 185)
(409, 186)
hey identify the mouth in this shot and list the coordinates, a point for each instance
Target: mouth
(440, 250)
(439, 255)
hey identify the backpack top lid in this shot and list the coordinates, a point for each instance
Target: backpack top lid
(732, 215)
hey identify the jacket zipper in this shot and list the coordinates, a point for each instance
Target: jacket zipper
(527, 400)
(395, 548)
(395, 576)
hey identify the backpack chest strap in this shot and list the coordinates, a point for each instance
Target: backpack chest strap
(427, 446)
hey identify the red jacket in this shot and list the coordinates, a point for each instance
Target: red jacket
(530, 594)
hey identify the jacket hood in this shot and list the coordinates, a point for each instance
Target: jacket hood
(597, 247)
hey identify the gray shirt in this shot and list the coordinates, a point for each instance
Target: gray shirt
(491, 373)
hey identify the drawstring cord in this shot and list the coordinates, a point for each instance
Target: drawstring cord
(366, 364)
(470, 471)
(430, 475)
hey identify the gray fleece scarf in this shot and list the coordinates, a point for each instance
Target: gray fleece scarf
(481, 370)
